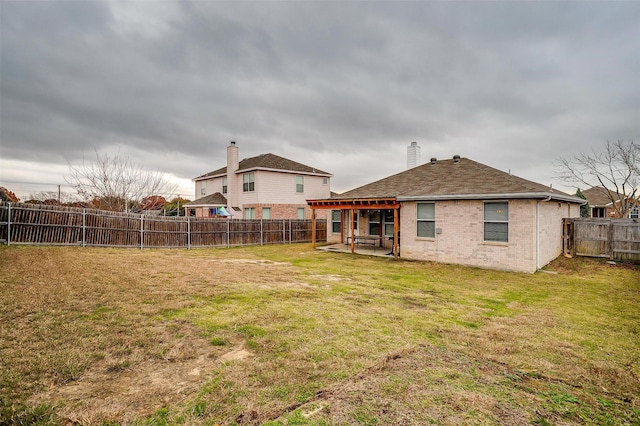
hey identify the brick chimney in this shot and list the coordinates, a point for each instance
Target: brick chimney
(232, 182)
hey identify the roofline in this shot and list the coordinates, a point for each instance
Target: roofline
(506, 195)
(323, 174)
(196, 179)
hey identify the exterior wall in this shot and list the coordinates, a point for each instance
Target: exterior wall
(211, 187)
(278, 191)
(280, 188)
(462, 238)
(272, 189)
(550, 215)
(286, 211)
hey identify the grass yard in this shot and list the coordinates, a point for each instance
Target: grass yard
(284, 335)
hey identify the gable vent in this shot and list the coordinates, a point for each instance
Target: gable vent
(456, 158)
(433, 160)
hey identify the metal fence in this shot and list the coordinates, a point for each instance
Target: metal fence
(616, 239)
(56, 225)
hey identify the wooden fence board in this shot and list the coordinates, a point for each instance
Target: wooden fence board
(617, 239)
(55, 225)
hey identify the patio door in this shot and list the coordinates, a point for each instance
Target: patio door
(349, 224)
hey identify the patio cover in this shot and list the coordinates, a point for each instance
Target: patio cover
(352, 204)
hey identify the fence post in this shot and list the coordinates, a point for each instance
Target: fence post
(290, 232)
(284, 231)
(261, 234)
(228, 232)
(141, 231)
(188, 232)
(84, 227)
(9, 224)
(610, 239)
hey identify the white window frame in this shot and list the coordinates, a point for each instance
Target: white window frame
(248, 182)
(203, 188)
(335, 220)
(634, 213)
(249, 212)
(425, 218)
(266, 212)
(301, 213)
(373, 220)
(489, 218)
(300, 184)
(224, 185)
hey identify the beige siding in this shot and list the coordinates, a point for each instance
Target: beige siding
(280, 188)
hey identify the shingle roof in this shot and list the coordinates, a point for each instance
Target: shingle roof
(212, 199)
(597, 196)
(448, 178)
(268, 161)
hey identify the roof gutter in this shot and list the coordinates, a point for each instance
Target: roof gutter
(514, 195)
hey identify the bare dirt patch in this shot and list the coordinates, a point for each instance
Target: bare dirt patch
(124, 391)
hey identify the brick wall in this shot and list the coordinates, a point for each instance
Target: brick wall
(462, 238)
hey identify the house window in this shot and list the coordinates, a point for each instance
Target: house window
(224, 185)
(496, 221)
(426, 220)
(634, 213)
(374, 222)
(325, 181)
(335, 221)
(203, 187)
(250, 213)
(248, 182)
(388, 223)
(299, 184)
(301, 213)
(266, 212)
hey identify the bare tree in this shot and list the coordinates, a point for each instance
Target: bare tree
(614, 168)
(114, 183)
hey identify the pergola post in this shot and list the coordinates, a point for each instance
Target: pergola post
(313, 228)
(353, 232)
(396, 233)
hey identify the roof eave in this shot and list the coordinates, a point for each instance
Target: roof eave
(297, 172)
(501, 196)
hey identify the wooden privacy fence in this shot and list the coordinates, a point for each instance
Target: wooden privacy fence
(616, 239)
(56, 225)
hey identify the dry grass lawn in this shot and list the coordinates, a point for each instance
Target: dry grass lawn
(283, 335)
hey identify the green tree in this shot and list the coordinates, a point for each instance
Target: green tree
(584, 209)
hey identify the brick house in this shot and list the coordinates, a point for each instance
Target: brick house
(455, 211)
(601, 205)
(263, 187)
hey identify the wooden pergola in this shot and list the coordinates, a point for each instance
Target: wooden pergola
(353, 204)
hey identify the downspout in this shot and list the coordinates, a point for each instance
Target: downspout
(538, 231)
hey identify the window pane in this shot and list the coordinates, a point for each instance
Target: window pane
(301, 213)
(496, 212)
(335, 227)
(335, 215)
(426, 211)
(266, 213)
(426, 229)
(374, 216)
(496, 232)
(388, 229)
(374, 229)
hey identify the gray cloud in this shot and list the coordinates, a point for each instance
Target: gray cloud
(344, 87)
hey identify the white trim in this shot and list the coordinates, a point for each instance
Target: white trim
(486, 197)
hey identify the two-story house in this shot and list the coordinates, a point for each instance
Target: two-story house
(263, 187)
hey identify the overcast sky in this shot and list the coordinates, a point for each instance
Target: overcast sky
(341, 86)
